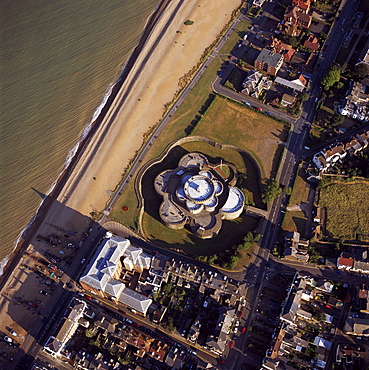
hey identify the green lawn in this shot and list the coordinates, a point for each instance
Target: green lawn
(238, 34)
(238, 125)
(316, 137)
(300, 188)
(346, 209)
(295, 221)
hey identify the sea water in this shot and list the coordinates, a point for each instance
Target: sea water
(58, 60)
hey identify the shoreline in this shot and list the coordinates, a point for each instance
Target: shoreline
(167, 49)
(28, 232)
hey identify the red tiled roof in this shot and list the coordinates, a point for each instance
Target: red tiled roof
(302, 79)
(288, 54)
(346, 261)
(312, 43)
(301, 4)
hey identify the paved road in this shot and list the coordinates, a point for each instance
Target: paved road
(256, 274)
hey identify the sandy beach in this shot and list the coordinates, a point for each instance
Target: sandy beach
(170, 51)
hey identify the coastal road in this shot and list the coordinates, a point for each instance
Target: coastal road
(57, 304)
(136, 164)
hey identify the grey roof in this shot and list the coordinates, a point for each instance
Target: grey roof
(137, 257)
(114, 287)
(269, 57)
(105, 262)
(221, 329)
(135, 300)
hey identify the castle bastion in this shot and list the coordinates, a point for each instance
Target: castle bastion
(198, 193)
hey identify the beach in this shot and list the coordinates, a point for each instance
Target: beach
(170, 50)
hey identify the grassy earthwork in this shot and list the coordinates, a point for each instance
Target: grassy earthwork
(205, 114)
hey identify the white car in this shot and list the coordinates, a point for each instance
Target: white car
(12, 332)
(7, 339)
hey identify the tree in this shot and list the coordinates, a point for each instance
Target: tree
(332, 76)
(339, 85)
(271, 190)
(337, 120)
(360, 71)
(323, 36)
(249, 237)
(304, 96)
(288, 190)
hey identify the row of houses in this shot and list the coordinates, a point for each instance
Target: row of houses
(327, 157)
(290, 339)
(270, 62)
(355, 103)
(128, 276)
(357, 264)
(296, 17)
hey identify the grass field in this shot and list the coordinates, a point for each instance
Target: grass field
(294, 221)
(300, 188)
(235, 124)
(346, 209)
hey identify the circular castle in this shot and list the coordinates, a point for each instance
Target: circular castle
(198, 194)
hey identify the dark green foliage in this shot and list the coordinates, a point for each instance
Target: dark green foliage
(323, 36)
(271, 190)
(304, 96)
(332, 76)
(360, 71)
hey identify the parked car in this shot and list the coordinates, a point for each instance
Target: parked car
(12, 332)
(243, 330)
(7, 339)
(83, 261)
(31, 304)
(231, 344)
(43, 292)
(258, 108)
